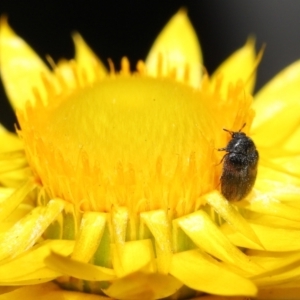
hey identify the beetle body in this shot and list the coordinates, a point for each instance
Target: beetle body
(239, 166)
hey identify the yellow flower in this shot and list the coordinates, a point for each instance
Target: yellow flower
(111, 186)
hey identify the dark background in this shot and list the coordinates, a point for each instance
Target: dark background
(117, 28)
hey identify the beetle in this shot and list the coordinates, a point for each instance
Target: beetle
(239, 167)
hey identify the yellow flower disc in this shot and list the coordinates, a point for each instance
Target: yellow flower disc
(122, 141)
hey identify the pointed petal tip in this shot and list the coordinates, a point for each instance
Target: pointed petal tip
(251, 41)
(18, 82)
(76, 37)
(181, 16)
(240, 65)
(183, 10)
(5, 29)
(3, 20)
(4, 26)
(177, 47)
(277, 108)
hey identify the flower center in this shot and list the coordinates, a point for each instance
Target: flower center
(128, 120)
(128, 141)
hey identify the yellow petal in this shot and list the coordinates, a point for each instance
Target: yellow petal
(268, 205)
(5, 193)
(277, 108)
(135, 255)
(283, 191)
(201, 273)
(14, 168)
(282, 267)
(273, 221)
(67, 266)
(89, 237)
(176, 48)
(289, 164)
(241, 65)
(9, 205)
(12, 159)
(200, 228)
(87, 60)
(292, 142)
(119, 221)
(30, 268)
(231, 215)
(67, 71)
(143, 286)
(19, 213)
(29, 229)
(47, 291)
(9, 141)
(21, 68)
(158, 224)
(279, 174)
(273, 239)
(285, 274)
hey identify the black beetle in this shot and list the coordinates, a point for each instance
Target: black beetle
(240, 166)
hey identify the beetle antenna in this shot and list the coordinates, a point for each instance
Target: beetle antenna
(242, 127)
(229, 131)
(232, 132)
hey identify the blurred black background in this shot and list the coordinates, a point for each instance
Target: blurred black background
(117, 28)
